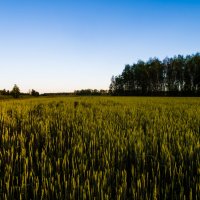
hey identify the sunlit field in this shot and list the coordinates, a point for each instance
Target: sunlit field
(100, 148)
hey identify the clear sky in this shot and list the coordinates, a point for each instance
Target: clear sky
(64, 45)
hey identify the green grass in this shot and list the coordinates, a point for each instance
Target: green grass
(104, 148)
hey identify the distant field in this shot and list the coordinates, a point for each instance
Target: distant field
(100, 148)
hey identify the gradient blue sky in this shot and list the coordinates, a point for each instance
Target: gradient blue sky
(64, 45)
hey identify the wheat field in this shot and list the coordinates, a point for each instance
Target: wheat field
(100, 148)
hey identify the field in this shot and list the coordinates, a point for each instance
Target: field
(100, 148)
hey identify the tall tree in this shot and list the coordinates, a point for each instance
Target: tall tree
(15, 91)
(34, 93)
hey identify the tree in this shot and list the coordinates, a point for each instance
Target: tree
(128, 77)
(4, 92)
(34, 93)
(15, 91)
(112, 87)
(142, 76)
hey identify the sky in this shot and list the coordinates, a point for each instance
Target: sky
(67, 45)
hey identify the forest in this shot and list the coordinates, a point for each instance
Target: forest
(177, 76)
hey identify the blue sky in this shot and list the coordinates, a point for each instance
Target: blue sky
(64, 45)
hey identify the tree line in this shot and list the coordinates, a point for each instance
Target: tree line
(177, 76)
(91, 92)
(15, 92)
